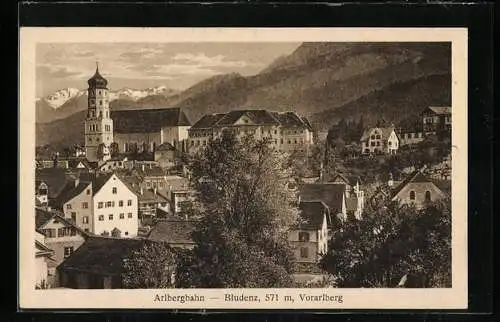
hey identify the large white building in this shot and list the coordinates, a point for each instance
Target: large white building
(382, 140)
(102, 205)
(286, 131)
(139, 130)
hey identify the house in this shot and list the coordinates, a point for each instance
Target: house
(417, 189)
(61, 236)
(150, 177)
(331, 194)
(43, 257)
(98, 263)
(49, 184)
(178, 191)
(383, 140)
(285, 131)
(436, 119)
(78, 151)
(149, 200)
(114, 163)
(165, 155)
(309, 239)
(355, 196)
(100, 203)
(175, 231)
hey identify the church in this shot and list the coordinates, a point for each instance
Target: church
(140, 130)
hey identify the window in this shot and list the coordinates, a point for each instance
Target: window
(112, 203)
(100, 102)
(129, 202)
(101, 217)
(68, 206)
(86, 230)
(122, 216)
(281, 141)
(390, 143)
(377, 137)
(85, 219)
(49, 233)
(120, 203)
(427, 196)
(73, 216)
(304, 252)
(108, 204)
(68, 251)
(110, 217)
(126, 233)
(372, 137)
(303, 236)
(129, 215)
(99, 204)
(114, 190)
(372, 143)
(88, 191)
(66, 231)
(412, 195)
(378, 143)
(85, 205)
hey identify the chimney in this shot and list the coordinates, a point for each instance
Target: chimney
(142, 191)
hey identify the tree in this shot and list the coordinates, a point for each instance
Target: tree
(247, 210)
(114, 149)
(392, 242)
(152, 266)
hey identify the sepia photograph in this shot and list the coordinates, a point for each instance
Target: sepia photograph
(279, 169)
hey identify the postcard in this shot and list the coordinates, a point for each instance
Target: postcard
(243, 168)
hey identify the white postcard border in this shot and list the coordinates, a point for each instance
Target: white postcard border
(452, 298)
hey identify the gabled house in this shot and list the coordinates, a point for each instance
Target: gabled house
(331, 194)
(98, 263)
(43, 257)
(417, 189)
(100, 203)
(379, 140)
(436, 119)
(354, 195)
(309, 239)
(60, 235)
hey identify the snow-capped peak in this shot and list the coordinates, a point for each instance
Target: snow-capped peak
(60, 97)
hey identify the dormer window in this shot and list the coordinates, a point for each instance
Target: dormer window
(412, 195)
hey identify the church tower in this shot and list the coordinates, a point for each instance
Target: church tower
(98, 124)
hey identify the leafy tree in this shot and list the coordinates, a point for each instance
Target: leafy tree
(392, 242)
(247, 210)
(114, 149)
(152, 266)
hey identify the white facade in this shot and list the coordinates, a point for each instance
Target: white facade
(379, 140)
(115, 206)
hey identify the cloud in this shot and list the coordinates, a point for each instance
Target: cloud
(51, 72)
(202, 59)
(142, 53)
(84, 54)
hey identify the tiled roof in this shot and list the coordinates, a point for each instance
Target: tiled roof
(55, 178)
(262, 117)
(102, 255)
(99, 181)
(416, 176)
(147, 120)
(42, 217)
(312, 213)
(385, 133)
(70, 192)
(441, 110)
(173, 232)
(329, 193)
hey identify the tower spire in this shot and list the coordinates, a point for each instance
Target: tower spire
(97, 67)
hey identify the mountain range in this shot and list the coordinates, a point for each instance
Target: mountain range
(323, 81)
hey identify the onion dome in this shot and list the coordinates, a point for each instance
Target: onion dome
(97, 81)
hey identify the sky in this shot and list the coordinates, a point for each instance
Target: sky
(144, 65)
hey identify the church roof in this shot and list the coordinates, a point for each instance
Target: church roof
(97, 81)
(148, 120)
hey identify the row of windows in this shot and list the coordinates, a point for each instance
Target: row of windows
(204, 142)
(110, 204)
(61, 232)
(427, 195)
(111, 216)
